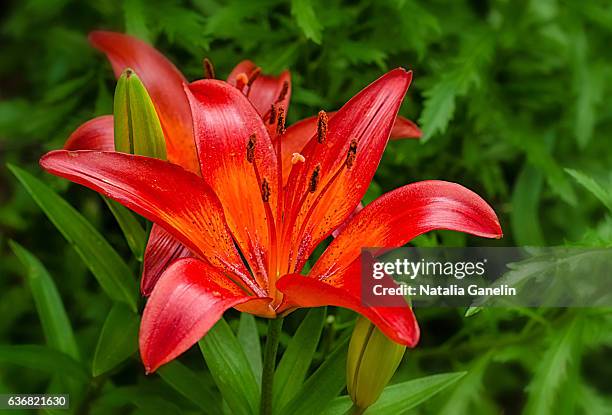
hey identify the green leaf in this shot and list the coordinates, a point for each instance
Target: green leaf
(605, 196)
(306, 19)
(552, 371)
(230, 369)
(439, 107)
(469, 389)
(135, 19)
(53, 317)
(113, 274)
(525, 222)
(323, 386)
(248, 336)
(42, 358)
(118, 339)
(133, 231)
(399, 398)
(189, 384)
(137, 126)
(297, 357)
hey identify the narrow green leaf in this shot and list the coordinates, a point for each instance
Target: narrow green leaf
(42, 358)
(306, 19)
(230, 369)
(53, 317)
(189, 384)
(137, 126)
(118, 339)
(399, 398)
(296, 360)
(248, 336)
(525, 222)
(133, 231)
(323, 386)
(604, 196)
(113, 274)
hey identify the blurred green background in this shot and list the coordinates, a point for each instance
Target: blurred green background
(514, 101)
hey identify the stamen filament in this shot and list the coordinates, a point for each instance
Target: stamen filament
(209, 69)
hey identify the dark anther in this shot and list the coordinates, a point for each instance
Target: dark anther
(251, 148)
(272, 114)
(322, 126)
(209, 69)
(314, 179)
(265, 190)
(280, 121)
(352, 154)
(253, 76)
(283, 92)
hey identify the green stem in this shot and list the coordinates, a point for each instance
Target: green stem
(269, 364)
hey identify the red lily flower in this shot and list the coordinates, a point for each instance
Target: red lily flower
(164, 83)
(239, 208)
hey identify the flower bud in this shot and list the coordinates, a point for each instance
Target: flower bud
(371, 362)
(137, 126)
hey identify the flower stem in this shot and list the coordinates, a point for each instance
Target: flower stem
(269, 364)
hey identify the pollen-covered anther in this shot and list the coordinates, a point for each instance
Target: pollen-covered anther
(272, 119)
(209, 69)
(280, 121)
(283, 92)
(265, 190)
(314, 179)
(250, 150)
(241, 80)
(352, 154)
(253, 76)
(322, 126)
(297, 158)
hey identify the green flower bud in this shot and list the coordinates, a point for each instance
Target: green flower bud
(137, 126)
(371, 362)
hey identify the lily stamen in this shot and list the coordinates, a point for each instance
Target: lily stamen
(250, 154)
(252, 77)
(283, 92)
(352, 154)
(280, 122)
(297, 158)
(272, 119)
(209, 69)
(322, 127)
(314, 179)
(241, 80)
(265, 190)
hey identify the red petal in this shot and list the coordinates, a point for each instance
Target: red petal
(265, 90)
(367, 118)
(165, 85)
(162, 249)
(396, 217)
(190, 297)
(398, 323)
(163, 192)
(224, 120)
(340, 228)
(404, 128)
(95, 134)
